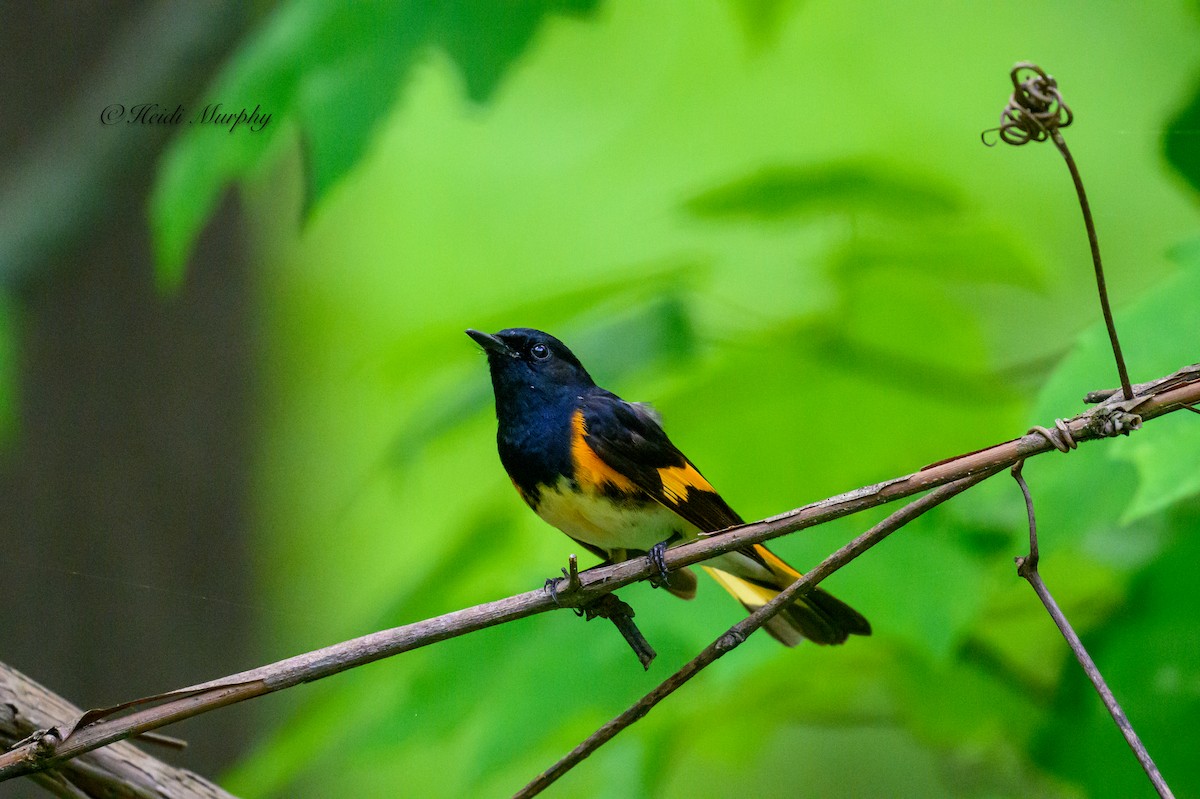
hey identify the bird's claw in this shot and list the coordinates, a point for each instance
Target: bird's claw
(658, 559)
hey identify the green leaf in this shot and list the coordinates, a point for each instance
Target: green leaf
(849, 187)
(1179, 140)
(1165, 457)
(328, 72)
(1157, 336)
(1150, 658)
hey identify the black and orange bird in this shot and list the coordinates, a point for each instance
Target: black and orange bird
(602, 470)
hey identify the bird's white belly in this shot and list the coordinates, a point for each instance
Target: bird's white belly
(609, 525)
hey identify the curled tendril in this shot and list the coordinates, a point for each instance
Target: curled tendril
(1034, 110)
(1061, 436)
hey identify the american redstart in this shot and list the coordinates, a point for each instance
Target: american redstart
(603, 471)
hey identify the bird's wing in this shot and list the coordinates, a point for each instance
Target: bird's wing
(628, 439)
(625, 444)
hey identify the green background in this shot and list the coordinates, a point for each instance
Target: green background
(775, 221)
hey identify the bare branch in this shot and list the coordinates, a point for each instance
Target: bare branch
(120, 771)
(1158, 386)
(104, 726)
(739, 632)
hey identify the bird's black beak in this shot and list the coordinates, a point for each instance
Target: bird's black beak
(491, 343)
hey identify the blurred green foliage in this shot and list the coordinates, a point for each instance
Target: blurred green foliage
(8, 368)
(775, 220)
(327, 72)
(1180, 141)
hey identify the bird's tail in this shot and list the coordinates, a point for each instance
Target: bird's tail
(818, 616)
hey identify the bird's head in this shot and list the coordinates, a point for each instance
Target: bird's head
(523, 361)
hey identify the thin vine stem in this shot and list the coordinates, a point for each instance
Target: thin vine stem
(1035, 112)
(1094, 243)
(1027, 567)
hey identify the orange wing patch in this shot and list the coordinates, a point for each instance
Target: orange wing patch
(677, 481)
(590, 470)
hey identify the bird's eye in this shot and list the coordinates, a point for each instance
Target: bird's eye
(540, 352)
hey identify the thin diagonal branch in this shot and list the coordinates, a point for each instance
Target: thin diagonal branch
(739, 632)
(1027, 567)
(97, 728)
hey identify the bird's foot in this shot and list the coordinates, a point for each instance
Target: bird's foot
(551, 588)
(573, 583)
(658, 559)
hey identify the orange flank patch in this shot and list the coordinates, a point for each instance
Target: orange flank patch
(677, 481)
(775, 564)
(590, 471)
